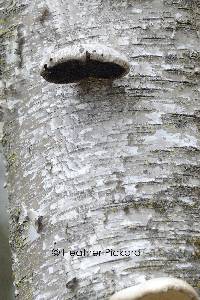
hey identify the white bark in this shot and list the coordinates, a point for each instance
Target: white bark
(101, 165)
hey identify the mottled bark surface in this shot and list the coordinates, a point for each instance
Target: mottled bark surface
(101, 165)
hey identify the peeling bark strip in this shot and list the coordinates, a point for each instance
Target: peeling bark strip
(106, 165)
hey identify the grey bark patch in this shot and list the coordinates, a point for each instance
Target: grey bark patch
(39, 224)
(100, 137)
(72, 284)
(44, 15)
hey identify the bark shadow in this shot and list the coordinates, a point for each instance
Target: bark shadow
(90, 85)
(105, 90)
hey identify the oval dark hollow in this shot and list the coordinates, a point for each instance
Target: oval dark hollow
(64, 72)
(76, 70)
(105, 70)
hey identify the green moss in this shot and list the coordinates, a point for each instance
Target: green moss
(6, 31)
(3, 32)
(158, 206)
(3, 21)
(19, 283)
(4, 141)
(114, 209)
(2, 61)
(15, 214)
(12, 158)
(18, 241)
(195, 242)
(198, 285)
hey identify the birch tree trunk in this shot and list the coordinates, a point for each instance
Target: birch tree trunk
(102, 165)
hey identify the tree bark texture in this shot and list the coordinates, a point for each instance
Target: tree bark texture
(101, 165)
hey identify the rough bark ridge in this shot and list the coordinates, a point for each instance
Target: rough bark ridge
(101, 165)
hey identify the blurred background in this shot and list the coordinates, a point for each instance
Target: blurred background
(6, 286)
